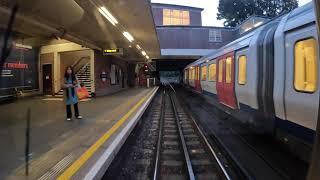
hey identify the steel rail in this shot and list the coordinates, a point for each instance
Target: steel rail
(156, 166)
(183, 143)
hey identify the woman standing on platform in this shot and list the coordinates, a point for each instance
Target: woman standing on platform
(70, 94)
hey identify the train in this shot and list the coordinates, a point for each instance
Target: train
(270, 74)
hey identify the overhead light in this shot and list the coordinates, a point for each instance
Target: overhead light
(147, 57)
(128, 36)
(247, 29)
(143, 53)
(258, 24)
(108, 15)
(138, 47)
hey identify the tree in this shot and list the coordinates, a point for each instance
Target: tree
(236, 11)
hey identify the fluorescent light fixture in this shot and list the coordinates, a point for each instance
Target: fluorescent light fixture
(128, 36)
(247, 29)
(108, 15)
(147, 57)
(143, 53)
(258, 24)
(138, 47)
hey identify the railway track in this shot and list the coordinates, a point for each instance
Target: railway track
(182, 150)
(168, 144)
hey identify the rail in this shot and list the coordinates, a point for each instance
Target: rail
(186, 157)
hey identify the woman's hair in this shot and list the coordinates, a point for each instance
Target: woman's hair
(66, 75)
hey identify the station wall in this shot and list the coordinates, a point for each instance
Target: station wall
(111, 74)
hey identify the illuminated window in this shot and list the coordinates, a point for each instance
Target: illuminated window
(175, 17)
(204, 73)
(242, 71)
(215, 35)
(197, 73)
(228, 70)
(220, 70)
(190, 74)
(212, 72)
(305, 65)
(194, 73)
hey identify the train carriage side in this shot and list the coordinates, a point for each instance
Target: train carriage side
(296, 77)
(209, 83)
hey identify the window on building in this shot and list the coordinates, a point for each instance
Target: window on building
(212, 72)
(220, 70)
(175, 17)
(242, 71)
(305, 65)
(215, 35)
(204, 73)
(190, 74)
(228, 70)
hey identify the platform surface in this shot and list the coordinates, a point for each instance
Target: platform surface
(55, 142)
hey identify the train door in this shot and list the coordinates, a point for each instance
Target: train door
(302, 78)
(221, 77)
(225, 84)
(197, 84)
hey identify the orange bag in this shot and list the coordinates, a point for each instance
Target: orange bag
(82, 93)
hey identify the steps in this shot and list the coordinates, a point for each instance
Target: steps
(83, 75)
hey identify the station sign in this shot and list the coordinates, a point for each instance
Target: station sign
(116, 51)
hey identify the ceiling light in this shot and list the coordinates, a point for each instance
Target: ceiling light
(138, 47)
(128, 36)
(143, 53)
(108, 15)
(147, 57)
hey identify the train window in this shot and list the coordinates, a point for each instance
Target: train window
(220, 70)
(203, 73)
(242, 71)
(228, 70)
(212, 72)
(305, 65)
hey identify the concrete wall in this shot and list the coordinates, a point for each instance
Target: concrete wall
(103, 64)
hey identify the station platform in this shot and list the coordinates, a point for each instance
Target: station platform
(60, 149)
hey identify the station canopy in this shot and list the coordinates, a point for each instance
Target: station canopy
(96, 24)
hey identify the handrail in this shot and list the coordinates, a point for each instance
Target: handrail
(75, 64)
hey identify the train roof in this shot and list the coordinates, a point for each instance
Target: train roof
(293, 18)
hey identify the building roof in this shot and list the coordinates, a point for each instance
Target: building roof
(190, 27)
(177, 6)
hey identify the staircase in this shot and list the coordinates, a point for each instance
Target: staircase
(83, 76)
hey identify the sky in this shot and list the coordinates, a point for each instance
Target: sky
(209, 14)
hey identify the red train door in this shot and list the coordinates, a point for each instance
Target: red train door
(225, 84)
(221, 77)
(197, 84)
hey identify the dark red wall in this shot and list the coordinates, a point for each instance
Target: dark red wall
(191, 37)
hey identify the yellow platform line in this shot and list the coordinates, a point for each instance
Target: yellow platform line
(68, 173)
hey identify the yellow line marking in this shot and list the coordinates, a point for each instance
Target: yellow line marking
(68, 173)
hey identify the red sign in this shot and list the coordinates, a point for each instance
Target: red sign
(18, 65)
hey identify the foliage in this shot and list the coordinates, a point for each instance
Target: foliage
(236, 11)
